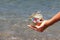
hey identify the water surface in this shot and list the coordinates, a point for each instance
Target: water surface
(14, 15)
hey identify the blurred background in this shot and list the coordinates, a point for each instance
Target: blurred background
(14, 19)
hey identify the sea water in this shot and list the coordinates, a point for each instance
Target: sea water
(14, 15)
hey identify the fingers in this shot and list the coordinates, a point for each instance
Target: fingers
(32, 27)
(40, 28)
(42, 24)
(37, 29)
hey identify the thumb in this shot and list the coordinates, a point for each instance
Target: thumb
(42, 24)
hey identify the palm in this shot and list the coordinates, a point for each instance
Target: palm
(42, 28)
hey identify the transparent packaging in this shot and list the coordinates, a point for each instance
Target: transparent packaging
(35, 18)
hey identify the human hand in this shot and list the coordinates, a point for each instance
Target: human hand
(42, 27)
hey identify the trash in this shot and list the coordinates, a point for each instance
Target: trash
(35, 19)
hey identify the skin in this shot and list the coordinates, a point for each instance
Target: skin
(47, 23)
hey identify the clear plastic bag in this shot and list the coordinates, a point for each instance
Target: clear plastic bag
(35, 17)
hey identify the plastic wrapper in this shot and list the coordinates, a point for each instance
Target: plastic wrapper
(35, 18)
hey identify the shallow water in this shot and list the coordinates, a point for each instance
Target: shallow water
(14, 15)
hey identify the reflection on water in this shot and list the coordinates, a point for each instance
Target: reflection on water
(14, 15)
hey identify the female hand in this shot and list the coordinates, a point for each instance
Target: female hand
(42, 27)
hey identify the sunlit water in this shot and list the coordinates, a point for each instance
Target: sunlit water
(14, 15)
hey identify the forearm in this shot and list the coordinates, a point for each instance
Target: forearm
(55, 18)
(51, 21)
(48, 23)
